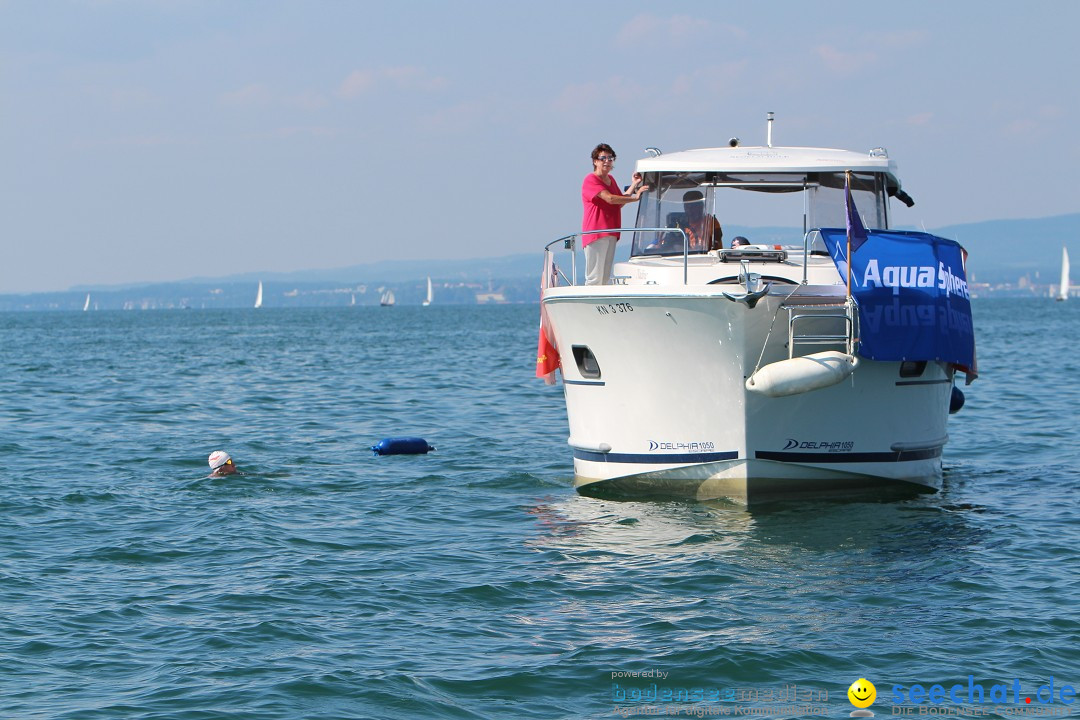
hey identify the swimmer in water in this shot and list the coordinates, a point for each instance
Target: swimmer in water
(221, 464)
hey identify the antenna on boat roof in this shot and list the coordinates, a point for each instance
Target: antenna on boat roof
(655, 151)
(768, 135)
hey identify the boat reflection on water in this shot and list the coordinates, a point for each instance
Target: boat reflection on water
(605, 530)
(785, 576)
(645, 528)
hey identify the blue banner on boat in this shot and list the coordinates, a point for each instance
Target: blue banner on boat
(912, 293)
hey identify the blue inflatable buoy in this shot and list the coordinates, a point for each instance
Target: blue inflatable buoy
(956, 400)
(402, 446)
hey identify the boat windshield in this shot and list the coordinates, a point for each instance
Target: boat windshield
(765, 208)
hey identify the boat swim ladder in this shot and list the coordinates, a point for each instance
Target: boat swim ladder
(800, 316)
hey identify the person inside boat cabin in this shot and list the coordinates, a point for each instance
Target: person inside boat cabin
(602, 203)
(703, 230)
(221, 464)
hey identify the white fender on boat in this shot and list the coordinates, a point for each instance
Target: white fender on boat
(802, 374)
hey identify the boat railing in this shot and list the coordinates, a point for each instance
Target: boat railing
(570, 243)
(807, 244)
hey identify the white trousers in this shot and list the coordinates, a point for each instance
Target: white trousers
(599, 257)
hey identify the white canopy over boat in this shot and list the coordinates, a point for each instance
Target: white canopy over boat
(759, 159)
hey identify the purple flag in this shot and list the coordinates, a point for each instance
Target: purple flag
(855, 231)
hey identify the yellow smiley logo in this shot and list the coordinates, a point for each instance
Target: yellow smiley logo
(862, 693)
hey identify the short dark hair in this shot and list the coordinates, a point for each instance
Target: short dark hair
(602, 148)
(693, 196)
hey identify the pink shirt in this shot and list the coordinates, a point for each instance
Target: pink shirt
(599, 214)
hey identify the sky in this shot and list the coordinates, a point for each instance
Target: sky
(161, 140)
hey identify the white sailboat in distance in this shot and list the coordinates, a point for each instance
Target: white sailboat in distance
(86, 305)
(430, 296)
(1063, 289)
(258, 296)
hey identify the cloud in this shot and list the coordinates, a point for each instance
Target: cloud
(697, 91)
(901, 40)
(844, 63)
(258, 95)
(254, 95)
(1037, 122)
(357, 83)
(1051, 112)
(131, 98)
(713, 81)
(677, 29)
(586, 99)
(461, 117)
(588, 102)
(1022, 128)
(362, 81)
(159, 140)
(314, 131)
(309, 100)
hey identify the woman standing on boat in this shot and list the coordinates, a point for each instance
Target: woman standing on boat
(602, 202)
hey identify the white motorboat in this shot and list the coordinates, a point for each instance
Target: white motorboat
(1063, 288)
(761, 371)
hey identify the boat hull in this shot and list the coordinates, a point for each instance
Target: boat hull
(754, 481)
(657, 403)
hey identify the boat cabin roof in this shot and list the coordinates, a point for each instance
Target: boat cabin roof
(770, 160)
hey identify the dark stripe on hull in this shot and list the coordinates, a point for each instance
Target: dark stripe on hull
(901, 456)
(655, 459)
(944, 381)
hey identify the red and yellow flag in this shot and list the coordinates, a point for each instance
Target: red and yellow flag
(547, 355)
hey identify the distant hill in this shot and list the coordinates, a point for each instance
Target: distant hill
(1005, 250)
(388, 271)
(1001, 251)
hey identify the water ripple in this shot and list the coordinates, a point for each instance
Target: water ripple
(473, 582)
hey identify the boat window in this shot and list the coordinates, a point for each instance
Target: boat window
(586, 362)
(676, 201)
(827, 204)
(912, 368)
(765, 208)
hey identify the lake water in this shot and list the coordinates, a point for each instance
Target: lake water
(474, 582)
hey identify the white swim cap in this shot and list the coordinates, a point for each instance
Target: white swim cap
(218, 458)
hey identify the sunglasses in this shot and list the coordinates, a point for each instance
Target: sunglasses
(606, 158)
